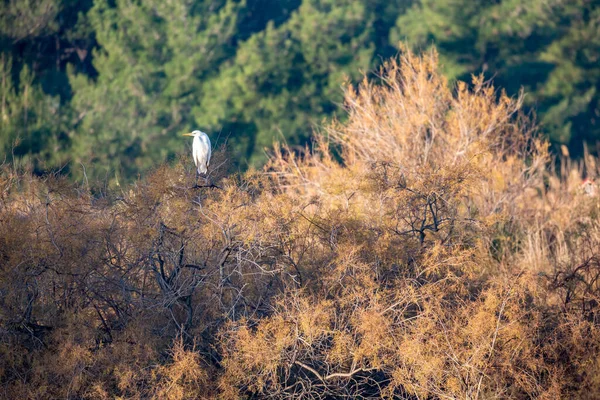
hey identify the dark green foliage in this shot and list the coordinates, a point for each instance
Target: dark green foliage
(153, 59)
(285, 80)
(33, 123)
(38, 38)
(551, 48)
(111, 84)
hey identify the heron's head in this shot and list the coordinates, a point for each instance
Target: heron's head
(195, 133)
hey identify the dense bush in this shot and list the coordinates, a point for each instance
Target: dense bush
(424, 248)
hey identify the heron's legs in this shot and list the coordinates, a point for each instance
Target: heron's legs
(207, 181)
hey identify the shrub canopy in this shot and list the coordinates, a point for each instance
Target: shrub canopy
(423, 248)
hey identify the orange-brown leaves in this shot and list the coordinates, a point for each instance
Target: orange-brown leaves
(255, 357)
(424, 248)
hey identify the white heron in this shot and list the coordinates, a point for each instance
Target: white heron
(201, 150)
(589, 187)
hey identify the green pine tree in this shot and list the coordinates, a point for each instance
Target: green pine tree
(153, 59)
(550, 48)
(32, 123)
(37, 39)
(286, 79)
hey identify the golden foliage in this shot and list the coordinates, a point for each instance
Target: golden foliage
(424, 248)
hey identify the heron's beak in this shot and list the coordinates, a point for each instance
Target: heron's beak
(187, 134)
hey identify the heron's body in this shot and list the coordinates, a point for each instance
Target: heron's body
(201, 151)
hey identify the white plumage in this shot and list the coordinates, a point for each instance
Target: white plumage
(201, 150)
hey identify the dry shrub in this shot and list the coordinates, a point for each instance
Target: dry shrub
(438, 234)
(424, 248)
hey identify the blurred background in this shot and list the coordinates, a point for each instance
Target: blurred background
(108, 86)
